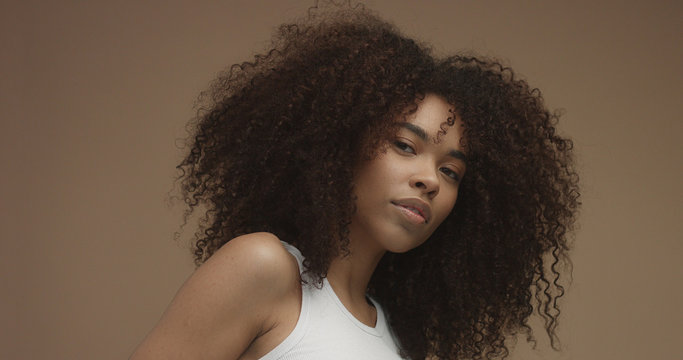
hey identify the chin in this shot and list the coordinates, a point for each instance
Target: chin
(400, 247)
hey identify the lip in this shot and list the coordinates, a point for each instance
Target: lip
(417, 204)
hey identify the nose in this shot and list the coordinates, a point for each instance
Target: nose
(426, 180)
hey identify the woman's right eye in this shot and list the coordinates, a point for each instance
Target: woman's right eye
(404, 147)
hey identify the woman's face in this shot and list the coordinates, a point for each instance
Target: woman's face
(408, 190)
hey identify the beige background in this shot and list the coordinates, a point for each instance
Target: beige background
(93, 95)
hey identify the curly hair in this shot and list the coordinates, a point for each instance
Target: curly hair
(276, 142)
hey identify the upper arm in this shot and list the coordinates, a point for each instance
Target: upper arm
(226, 303)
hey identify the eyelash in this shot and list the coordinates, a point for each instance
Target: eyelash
(409, 149)
(451, 174)
(403, 147)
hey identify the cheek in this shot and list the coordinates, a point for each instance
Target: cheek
(380, 172)
(368, 183)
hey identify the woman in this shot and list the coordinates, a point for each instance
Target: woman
(329, 170)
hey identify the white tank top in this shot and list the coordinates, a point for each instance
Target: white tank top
(327, 330)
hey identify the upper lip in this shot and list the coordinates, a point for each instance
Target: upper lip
(417, 204)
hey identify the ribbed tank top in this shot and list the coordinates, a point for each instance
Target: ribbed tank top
(327, 330)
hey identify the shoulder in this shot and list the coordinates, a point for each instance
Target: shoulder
(256, 265)
(258, 244)
(258, 257)
(229, 301)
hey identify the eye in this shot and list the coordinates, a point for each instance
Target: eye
(404, 147)
(450, 173)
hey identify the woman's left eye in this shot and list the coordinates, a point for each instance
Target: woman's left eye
(451, 174)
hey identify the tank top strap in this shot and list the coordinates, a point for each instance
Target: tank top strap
(297, 255)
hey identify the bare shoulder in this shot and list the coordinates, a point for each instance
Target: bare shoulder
(257, 256)
(257, 265)
(254, 266)
(227, 302)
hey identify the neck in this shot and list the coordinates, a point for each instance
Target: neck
(350, 275)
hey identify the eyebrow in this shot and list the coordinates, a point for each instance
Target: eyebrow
(422, 134)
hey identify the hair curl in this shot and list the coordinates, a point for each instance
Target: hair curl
(291, 126)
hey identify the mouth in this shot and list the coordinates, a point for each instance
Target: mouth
(415, 210)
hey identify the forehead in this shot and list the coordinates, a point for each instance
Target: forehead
(435, 120)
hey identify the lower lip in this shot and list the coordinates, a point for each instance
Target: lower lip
(411, 216)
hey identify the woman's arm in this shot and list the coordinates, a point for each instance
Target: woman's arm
(230, 301)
